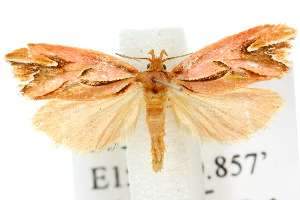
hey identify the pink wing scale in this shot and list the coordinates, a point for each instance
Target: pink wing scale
(84, 58)
(82, 92)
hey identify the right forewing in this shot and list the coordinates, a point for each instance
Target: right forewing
(257, 54)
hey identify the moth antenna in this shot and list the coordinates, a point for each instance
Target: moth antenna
(176, 57)
(134, 58)
(167, 84)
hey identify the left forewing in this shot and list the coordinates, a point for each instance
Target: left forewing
(226, 116)
(69, 73)
(90, 125)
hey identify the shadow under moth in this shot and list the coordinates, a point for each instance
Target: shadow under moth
(96, 98)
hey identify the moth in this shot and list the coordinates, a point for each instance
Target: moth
(96, 98)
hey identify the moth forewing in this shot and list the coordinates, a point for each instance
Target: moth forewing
(69, 73)
(257, 54)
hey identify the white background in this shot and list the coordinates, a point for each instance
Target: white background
(31, 168)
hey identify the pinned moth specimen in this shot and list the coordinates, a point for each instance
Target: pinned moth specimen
(96, 98)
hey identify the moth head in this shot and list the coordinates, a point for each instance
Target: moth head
(157, 62)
